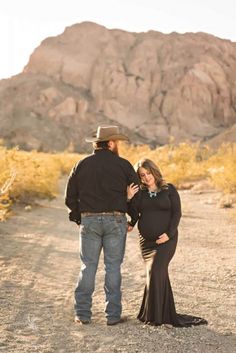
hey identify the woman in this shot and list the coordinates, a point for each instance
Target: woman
(157, 209)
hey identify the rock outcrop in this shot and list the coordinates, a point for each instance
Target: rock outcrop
(153, 85)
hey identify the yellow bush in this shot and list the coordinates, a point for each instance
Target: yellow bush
(133, 153)
(5, 206)
(25, 176)
(222, 168)
(66, 161)
(36, 174)
(178, 163)
(6, 180)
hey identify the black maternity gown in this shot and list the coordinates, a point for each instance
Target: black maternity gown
(157, 214)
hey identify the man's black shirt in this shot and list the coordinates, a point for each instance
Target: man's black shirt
(98, 183)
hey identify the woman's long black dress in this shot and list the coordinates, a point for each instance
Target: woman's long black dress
(158, 214)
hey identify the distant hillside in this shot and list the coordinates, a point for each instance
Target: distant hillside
(153, 85)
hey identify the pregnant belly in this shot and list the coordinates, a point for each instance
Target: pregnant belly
(151, 226)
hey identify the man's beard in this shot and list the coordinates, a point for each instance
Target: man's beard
(115, 150)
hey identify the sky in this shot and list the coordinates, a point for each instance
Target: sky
(25, 23)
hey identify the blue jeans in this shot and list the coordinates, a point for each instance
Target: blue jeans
(96, 233)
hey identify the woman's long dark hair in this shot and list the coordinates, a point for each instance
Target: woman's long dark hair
(154, 170)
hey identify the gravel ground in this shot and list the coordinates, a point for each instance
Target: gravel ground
(39, 267)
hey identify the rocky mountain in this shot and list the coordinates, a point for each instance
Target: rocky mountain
(153, 85)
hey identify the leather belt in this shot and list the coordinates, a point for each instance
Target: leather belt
(114, 213)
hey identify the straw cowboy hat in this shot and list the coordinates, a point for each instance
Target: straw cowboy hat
(107, 133)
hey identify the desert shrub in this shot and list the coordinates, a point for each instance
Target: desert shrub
(222, 168)
(36, 174)
(188, 162)
(5, 200)
(25, 176)
(7, 177)
(66, 161)
(178, 163)
(133, 153)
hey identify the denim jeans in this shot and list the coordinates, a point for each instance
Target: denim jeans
(105, 232)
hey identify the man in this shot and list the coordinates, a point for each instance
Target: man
(96, 196)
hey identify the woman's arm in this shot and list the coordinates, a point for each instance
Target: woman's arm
(175, 211)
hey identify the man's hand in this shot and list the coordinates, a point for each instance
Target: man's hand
(162, 239)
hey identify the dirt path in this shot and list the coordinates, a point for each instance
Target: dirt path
(39, 267)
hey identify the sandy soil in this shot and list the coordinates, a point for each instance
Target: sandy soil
(40, 264)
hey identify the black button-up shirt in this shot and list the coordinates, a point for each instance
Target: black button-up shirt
(98, 183)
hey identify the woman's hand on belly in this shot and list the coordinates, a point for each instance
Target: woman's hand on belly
(163, 238)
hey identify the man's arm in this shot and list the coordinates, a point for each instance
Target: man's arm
(72, 197)
(133, 203)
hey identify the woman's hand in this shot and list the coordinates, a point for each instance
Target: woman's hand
(129, 228)
(162, 239)
(132, 189)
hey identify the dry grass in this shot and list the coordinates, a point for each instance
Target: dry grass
(178, 163)
(36, 175)
(222, 168)
(25, 176)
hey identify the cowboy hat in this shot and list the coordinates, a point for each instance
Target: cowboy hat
(107, 133)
